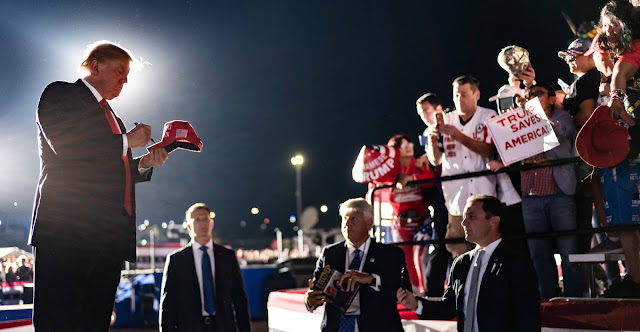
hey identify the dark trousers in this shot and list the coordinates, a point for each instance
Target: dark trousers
(73, 291)
(438, 259)
(584, 211)
(211, 327)
(513, 228)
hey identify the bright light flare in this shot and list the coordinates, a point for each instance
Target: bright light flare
(324, 209)
(298, 160)
(255, 210)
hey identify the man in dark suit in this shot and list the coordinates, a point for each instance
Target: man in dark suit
(202, 287)
(491, 288)
(83, 224)
(379, 268)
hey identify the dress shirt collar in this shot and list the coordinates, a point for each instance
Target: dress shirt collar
(93, 90)
(196, 246)
(364, 247)
(488, 250)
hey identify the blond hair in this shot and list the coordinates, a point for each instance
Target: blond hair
(104, 50)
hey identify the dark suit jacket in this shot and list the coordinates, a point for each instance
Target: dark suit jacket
(378, 310)
(508, 299)
(80, 194)
(180, 304)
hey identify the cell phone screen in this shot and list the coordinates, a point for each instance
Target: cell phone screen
(505, 103)
(439, 117)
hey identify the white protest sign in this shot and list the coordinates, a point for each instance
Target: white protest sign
(522, 133)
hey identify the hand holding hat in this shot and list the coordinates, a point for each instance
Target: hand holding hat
(178, 134)
(602, 141)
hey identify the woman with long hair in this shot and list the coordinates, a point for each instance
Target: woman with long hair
(619, 34)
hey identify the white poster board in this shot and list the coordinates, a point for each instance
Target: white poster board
(522, 133)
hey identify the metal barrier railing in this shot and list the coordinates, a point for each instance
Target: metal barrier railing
(514, 168)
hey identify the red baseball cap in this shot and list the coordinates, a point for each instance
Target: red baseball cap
(178, 134)
(602, 141)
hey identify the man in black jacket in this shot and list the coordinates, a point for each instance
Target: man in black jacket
(491, 288)
(202, 287)
(379, 268)
(84, 209)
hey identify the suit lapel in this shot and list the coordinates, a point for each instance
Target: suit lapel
(494, 266)
(89, 99)
(190, 271)
(218, 279)
(370, 258)
(465, 265)
(337, 258)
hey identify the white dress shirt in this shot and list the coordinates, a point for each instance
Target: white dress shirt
(354, 308)
(197, 258)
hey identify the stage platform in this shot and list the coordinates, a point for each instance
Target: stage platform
(287, 313)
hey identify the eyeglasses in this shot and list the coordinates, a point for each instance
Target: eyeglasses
(571, 58)
(534, 94)
(404, 145)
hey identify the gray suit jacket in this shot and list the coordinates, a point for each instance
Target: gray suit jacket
(565, 130)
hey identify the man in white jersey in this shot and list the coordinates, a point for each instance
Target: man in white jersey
(467, 148)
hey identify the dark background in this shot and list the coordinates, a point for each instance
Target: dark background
(262, 81)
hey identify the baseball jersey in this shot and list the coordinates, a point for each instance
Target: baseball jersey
(458, 159)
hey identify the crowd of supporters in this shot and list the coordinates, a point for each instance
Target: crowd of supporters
(592, 193)
(14, 269)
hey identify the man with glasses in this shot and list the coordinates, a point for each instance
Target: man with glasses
(548, 202)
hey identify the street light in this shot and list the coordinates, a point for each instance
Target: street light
(297, 162)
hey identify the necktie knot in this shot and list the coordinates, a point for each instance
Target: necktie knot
(355, 262)
(480, 255)
(204, 248)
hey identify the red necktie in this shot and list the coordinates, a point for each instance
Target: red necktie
(128, 202)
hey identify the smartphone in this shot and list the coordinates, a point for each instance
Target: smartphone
(439, 115)
(563, 84)
(505, 104)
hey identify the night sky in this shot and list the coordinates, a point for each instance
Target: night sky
(262, 81)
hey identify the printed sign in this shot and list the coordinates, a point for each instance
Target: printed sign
(376, 163)
(522, 132)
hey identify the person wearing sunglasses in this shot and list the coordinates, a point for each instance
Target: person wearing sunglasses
(580, 102)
